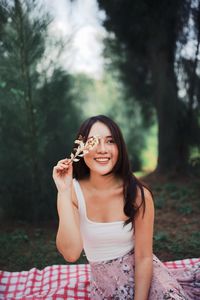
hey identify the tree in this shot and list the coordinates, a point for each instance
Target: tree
(147, 35)
(37, 113)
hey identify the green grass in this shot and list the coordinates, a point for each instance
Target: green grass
(25, 248)
(179, 247)
(177, 218)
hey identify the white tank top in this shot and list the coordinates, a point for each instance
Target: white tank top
(102, 241)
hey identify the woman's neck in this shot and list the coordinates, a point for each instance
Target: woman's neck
(103, 182)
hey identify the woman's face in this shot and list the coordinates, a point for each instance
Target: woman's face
(103, 157)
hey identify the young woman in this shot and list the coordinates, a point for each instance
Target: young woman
(105, 210)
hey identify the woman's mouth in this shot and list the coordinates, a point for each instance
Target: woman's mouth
(102, 160)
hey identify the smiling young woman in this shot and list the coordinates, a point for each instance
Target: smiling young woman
(105, 210)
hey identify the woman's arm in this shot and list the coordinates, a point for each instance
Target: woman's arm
(68, 239)
(143, 226)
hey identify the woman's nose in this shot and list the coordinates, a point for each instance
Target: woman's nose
(101, 147)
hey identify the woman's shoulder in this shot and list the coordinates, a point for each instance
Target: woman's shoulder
(82, 183)
(144, 197)
(144, 191)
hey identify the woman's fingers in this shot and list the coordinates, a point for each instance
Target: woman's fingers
(62, 166)
(65, 161)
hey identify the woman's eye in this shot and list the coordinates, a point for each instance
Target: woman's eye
(110, 141)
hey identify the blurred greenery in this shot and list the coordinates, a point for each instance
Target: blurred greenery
(107, 96)
(155, 48)
(177, 247)
(38, 113)
(24, 249)
(177, 217)
(42, 106)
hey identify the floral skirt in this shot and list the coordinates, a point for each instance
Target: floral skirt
(114, 279)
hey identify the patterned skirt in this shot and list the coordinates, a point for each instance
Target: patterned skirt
(114, 279)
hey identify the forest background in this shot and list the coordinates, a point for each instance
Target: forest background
(147, 78)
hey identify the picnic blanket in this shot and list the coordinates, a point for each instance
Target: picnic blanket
(57, 282)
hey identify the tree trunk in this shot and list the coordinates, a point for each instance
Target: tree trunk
(171, 153)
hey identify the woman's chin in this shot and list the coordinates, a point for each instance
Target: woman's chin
(102, 171)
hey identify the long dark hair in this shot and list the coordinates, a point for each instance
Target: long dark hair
(122, 168)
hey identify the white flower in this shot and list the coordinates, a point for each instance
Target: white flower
(83, 148)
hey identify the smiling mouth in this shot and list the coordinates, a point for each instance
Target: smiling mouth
(102, 160)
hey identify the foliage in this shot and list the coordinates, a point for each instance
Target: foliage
(146, 43)
(37, 112)
(107, 96)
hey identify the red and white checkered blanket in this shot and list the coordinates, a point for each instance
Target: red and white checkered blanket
(57, 282)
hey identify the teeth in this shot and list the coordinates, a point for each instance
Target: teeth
(102, 159)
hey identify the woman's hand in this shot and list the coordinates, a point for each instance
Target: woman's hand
(62, 174)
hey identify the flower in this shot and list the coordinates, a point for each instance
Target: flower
(83, 148)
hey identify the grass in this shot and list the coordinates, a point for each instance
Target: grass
(176, 234)
(25, 247)
(177, 218)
